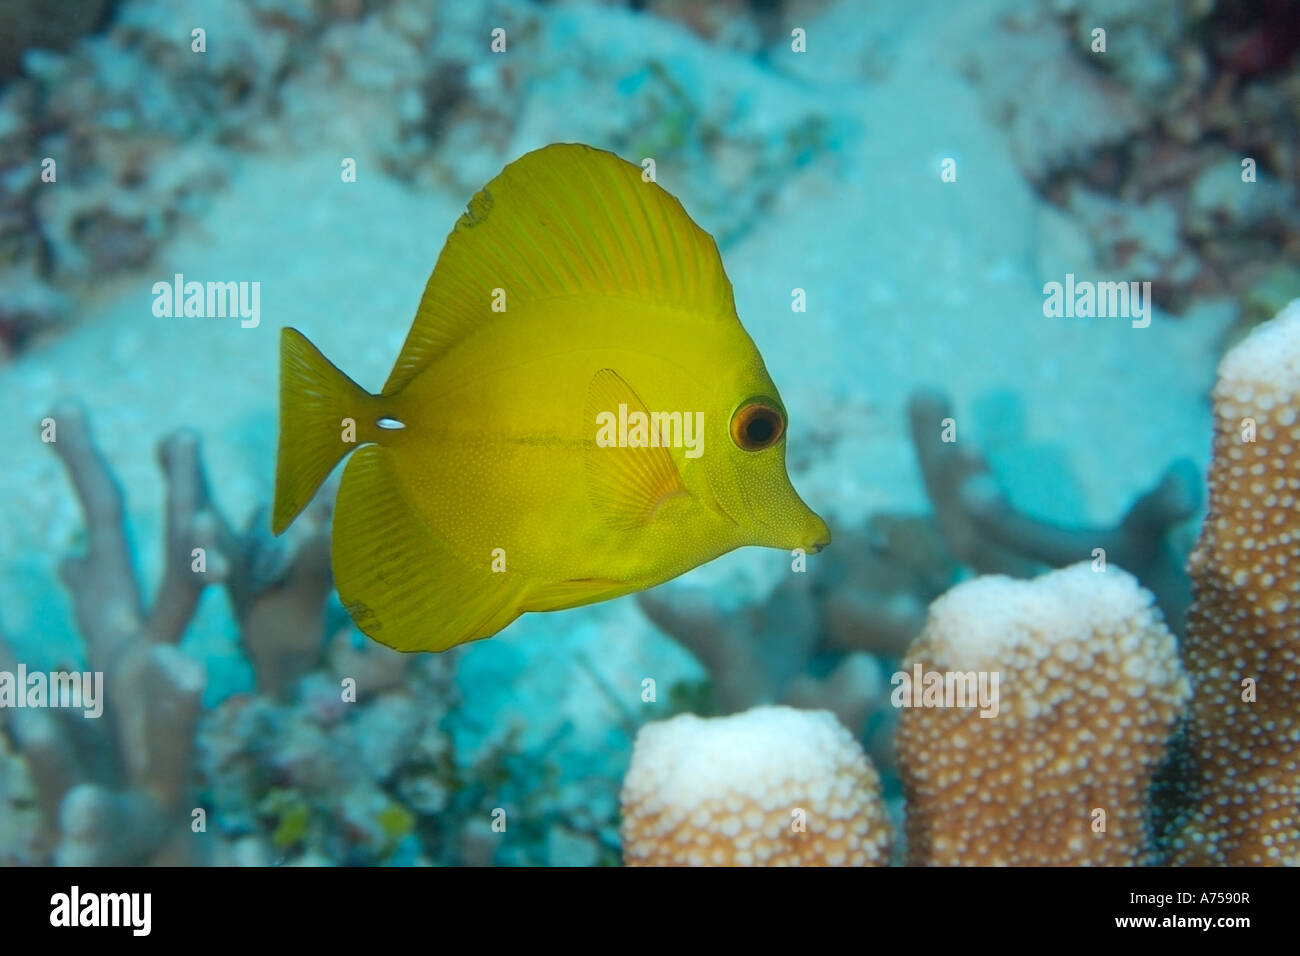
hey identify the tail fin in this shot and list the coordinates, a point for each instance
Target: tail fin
(315, 398)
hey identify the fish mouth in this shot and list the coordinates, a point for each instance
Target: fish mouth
(811, 538)
(820, 537)
(807, 532)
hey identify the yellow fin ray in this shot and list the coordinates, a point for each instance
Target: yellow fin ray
(561, 595)
(625, 485)
(402, 586)
(315, 398)
(564, 220)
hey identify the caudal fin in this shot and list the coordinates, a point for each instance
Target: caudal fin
(315, 399)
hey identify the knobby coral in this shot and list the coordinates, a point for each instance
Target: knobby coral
(772, 786)
(1243, 632)
(1057, 770)
(1063, 762)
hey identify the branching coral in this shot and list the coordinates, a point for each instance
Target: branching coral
(276, 771)
(118, 789)
(984, 530)
(1058, 770)
(1243, 632)
(760, 655)
(750, 657)
(279, 589)
(834, 620)
(772, 786)
(873, 596)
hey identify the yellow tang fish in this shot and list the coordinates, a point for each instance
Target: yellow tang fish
(576, 414)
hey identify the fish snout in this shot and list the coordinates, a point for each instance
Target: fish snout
(817, 535)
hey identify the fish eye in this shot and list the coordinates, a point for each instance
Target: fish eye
(757, 425)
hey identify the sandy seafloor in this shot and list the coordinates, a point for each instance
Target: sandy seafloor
(909, 281)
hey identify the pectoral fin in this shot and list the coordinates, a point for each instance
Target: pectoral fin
(626, 485)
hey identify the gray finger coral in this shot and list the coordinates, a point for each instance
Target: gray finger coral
(120, 789)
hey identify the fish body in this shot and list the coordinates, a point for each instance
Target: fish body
(581, 414)
(451, 464)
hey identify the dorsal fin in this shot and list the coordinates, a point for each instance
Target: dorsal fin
(563, 220)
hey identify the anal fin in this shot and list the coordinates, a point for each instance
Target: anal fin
(401, 584)
(561, 595)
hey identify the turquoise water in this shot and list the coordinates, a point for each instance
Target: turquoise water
(894, 190)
